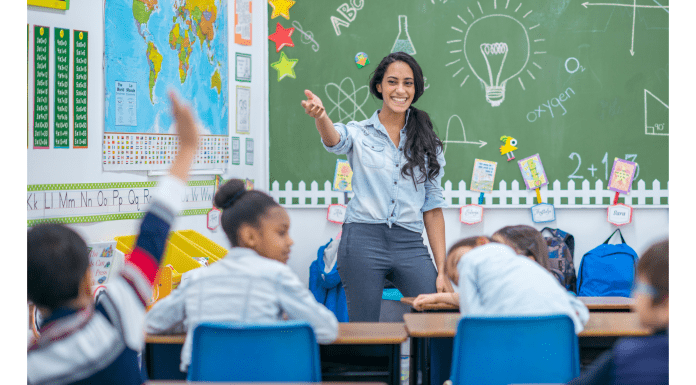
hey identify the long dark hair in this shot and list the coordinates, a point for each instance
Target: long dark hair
(528, 241)
(421, 140)
(240, 206)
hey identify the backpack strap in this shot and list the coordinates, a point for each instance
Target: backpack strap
(552, 231)
(612, 234)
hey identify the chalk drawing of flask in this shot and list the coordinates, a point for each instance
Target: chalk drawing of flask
(403, 40)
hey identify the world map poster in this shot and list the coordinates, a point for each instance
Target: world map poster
(151, 46)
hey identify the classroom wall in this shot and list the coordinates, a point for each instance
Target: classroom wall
(53, 166)
(310, 229)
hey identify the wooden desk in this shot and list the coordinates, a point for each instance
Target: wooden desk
(607, 303)
(359, 343)
(349, 333)
(361, 333)
(600, 333)
(601, 324)
(592, 303)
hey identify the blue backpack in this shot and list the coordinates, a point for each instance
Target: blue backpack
(607, 270)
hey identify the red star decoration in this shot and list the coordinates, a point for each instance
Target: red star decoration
(281, 37)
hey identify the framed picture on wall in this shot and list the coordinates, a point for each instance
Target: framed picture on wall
(242, 68)
(243, 98)
(249, 151)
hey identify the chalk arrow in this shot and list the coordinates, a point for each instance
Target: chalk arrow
(480, 143)
(585, 4)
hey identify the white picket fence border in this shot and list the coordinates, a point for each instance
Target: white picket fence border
(521, 198)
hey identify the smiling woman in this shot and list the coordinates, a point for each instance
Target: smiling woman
(397, 163)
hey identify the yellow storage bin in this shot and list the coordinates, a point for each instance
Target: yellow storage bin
(199, 239)
(173, 255)
(180, 260)
(188, 247)
(125, 243)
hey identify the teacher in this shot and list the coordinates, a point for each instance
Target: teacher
(397, 164)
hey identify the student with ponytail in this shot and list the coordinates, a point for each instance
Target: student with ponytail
(397, 163)
(251, 284)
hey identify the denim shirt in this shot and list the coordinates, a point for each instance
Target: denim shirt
(382, 194)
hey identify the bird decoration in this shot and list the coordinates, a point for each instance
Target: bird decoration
(508, 147)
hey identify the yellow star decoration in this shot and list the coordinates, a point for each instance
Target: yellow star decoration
(281, 8)
(285, 66)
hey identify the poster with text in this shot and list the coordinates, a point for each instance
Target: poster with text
(242, 22)
(622, 173)
(533, 172)
(101, 259)
(343, 176)
(483, 176)
(243, 100)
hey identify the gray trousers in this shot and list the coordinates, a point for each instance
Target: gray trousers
(369, 253)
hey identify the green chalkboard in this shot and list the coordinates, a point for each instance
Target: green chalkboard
(586, 82)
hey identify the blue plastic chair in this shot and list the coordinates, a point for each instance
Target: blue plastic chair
(515, 350)
(281, 352)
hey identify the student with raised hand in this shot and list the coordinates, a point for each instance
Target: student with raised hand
(252, 284)
(640, 360)
(397, 163)
(84, 343)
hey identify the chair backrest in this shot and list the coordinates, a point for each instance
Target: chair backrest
(506, 350)
(279, 352)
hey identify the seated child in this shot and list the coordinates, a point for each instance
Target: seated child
(251, 284)
(525, 240)
(492, 279)
(641, 360)
(83, 343)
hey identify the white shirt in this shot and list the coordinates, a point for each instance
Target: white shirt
(494, 280)
(242, 287)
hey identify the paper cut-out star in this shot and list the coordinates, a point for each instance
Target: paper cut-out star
(285, 66)
(281, 37)
(281, 8)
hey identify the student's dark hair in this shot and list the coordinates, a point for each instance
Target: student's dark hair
(528, 241)
(57, 259)
(240, 206)
(421, 140)
(654, 265)
(466, 242)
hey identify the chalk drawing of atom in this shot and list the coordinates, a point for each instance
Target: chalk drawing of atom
(345, 99)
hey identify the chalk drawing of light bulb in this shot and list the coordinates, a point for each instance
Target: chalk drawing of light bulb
(496, 47)
(403, 40)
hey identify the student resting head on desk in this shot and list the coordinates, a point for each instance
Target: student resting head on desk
(525, 240)
(87, 343)
(492, 279)
(642, 360)
(251, 284)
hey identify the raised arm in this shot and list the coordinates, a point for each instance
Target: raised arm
(315, 108)
(141, 268)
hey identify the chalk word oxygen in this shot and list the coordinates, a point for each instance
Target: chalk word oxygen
(348, 11)
(532, 116)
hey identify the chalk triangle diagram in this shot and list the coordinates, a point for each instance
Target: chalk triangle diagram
(656, 115)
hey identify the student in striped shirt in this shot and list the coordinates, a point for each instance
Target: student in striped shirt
(84, 343)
